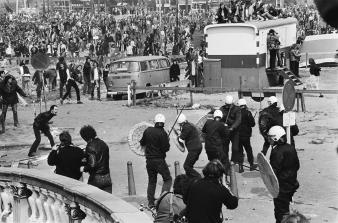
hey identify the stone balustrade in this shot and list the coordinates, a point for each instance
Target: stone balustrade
(34, 196)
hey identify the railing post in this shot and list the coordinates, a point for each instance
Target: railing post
(131, 180)
(177, 168)
(129, 95)
(21, 205)
(306, 58)
(134, 92)
(191, 97)
(75, 214)
(7, 202)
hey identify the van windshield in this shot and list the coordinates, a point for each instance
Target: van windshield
(124, 66)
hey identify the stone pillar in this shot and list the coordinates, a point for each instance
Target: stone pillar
(33, 205)
(7, 201)
(40, 200)
(21, 205)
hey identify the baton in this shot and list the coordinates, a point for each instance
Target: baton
(175, 122)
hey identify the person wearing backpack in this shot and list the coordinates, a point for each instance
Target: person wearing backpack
(268, 117)
(170, 204)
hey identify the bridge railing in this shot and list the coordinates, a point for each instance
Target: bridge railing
(28, 195)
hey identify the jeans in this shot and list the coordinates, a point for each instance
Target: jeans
(154, 167)
(86, 85)
(282, 203)
(4, 112)
(71, 83)
(62, 84)
(37, 141)
(245, 142)
(189, 162)
(93, 86)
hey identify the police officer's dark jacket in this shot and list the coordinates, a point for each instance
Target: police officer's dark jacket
(156, 141)
(248, 121)
(190, 135)
(231, 116)
(215, 136)
(269, 117)
(285, 164)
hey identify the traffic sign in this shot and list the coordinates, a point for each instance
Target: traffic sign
(289, 95)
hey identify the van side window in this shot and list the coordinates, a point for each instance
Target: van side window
(153, 64)
(144, 65)
(163, 63)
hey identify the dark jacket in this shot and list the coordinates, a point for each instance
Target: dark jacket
(174, 72)
(97, 152)
(231, 116)
(9, 96)
(86, 70)
(68, 160)
(268, 117)
(285, 164)
(156, 141)
(315, 69)
(215, 135)
(190, 135)
(41, 121)
(62, 72)
(248, 121)
(204, 201)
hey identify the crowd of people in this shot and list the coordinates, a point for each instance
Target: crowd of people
(308, 17)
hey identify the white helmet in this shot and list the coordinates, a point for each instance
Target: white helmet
(276, 132)
(159, 118)
(272, 100)
(218, 113)
(241, 102)
(181, 119)
(229, 99)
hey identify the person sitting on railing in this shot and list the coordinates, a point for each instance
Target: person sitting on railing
(66, 157)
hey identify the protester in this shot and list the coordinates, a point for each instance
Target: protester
(86, 76)
(294, 59)
(97, 155)
(41, 125)
(66, 157)
(95, 79)
(205, 197)
(170, 204)
(8, 91)
(314, 74)
(174, 71)
(71, 82)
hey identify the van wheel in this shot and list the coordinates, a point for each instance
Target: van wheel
(163, 92)
(150, 93)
